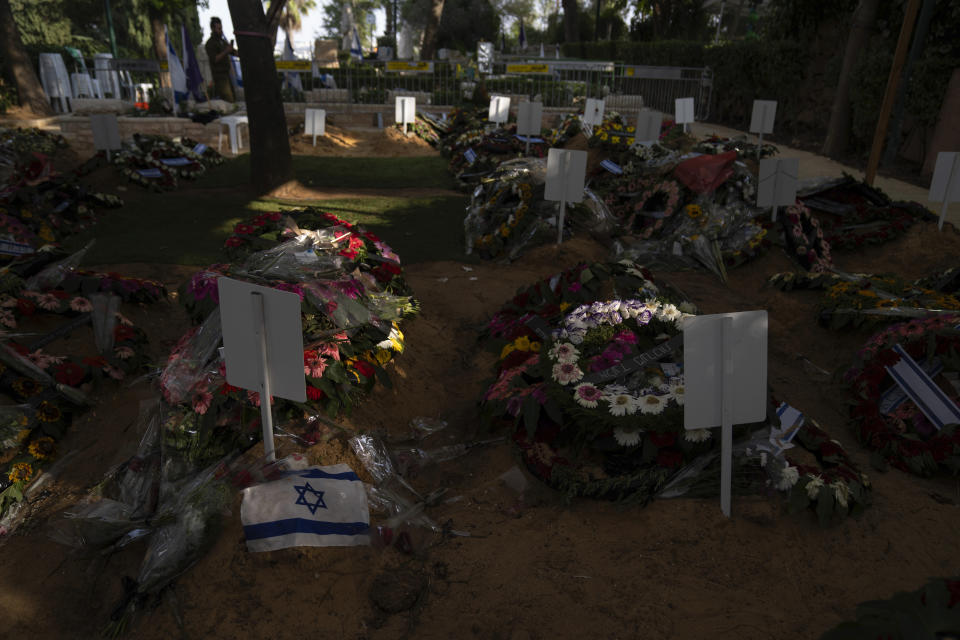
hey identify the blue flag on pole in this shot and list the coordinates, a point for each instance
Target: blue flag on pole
(291, 79)
(523, 36)
(177, 77)
(314, 507)
(356, 51)
(194, 76)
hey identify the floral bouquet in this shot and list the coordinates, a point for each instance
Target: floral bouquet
(613, 134)
(745, 149)
(888, 422)
(804, 239)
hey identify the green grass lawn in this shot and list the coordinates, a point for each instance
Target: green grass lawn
(189, 227)
(345, 173)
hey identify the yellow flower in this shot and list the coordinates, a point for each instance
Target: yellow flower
(615, 139)
(42, 448)
(20, 472)
(382, 356)
(629, 140)
(618, 127)
(507, 350)
(534, 346)
(23, 434)
(46, 234)
(48, 412)
(867, 293)
(564, 305)
(504, 230)
(694, 211)
(631, 129)
(522, 343)
(603, 135)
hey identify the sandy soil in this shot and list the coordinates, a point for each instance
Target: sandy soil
(364, 142)
(533, 567)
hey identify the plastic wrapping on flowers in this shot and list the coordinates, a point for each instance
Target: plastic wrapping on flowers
(508, 213)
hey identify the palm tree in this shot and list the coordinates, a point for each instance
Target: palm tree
(290, 19)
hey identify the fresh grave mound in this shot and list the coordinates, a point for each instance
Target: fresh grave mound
(189, 463)
(45, 389)
(508, 212)
(158, 162)
(900, 428)
(594, 393)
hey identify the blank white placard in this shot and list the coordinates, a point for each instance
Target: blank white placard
(683, 110)
(777, 186)
(499, 109)
(529, 118)
(764, 112)
(406, 109)
(565, 175)
(649, 124)
(106, 132)
(593, 112)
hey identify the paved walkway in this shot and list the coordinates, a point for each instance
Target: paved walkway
(815, 166)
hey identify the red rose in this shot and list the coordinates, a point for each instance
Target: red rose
(315, 394)
(233, 241)
(662, 439)
(244, 229)
(669, 458)
(364, 368)
(371, 237)
(69, 374)
(26, 307)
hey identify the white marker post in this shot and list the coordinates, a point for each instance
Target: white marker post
(263, 346)
(529, 121)
(314, 123)
(778, 183)
(945, 185)
(761, 120)
(106, 132)
(405, 109)
(683, 111)
(593, 112)
(649, 124)
(499, 109)
(566, 171)
(725, 373)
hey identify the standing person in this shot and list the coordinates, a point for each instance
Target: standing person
(219, 52)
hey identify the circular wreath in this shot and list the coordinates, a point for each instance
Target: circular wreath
(661, 199)
(804, 239)
(904, 438)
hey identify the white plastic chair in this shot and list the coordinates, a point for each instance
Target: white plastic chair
(232, 123)
(55, 80)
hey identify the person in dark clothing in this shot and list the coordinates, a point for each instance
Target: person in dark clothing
(219, 52)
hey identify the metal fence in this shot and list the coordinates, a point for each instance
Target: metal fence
(557, 83)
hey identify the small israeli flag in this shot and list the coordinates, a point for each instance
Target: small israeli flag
(313, 507)
(177, 76)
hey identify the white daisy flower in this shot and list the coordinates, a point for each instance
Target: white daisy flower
(653, 405)
(627, 438)
(566, 372)
(813, 487)
(622, 404)
(697, 435)
(677, 393)
(788, 477)
(564, 352)
(587, 395)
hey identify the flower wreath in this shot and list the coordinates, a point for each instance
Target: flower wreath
(503, 221)
(903, 437)
(804, 239)
(612, 134)
(667, 189)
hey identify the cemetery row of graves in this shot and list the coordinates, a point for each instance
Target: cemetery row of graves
(608, 382)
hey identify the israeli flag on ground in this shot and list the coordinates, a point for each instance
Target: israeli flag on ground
(177, 76)
(291, 79)
(314, 507)
(356, 51)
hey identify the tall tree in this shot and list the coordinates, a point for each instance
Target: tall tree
(838, 131)
(571, 23)
(270, 162)
(17, 65)
(290, 18)
(432, 29)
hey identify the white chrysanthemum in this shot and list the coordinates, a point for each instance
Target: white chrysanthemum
(627, 438)
(653, 405)
(564, 352)
(670, 312)
(697, 435)
(615, 389)
(813, 487)
(566, 372)
(841, 492)
(622, 404)
(587, 395)
(687, 307)
(677, 392)
(788, 477)
(763, 458)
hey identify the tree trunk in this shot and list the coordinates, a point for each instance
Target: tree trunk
(270, 162)
(571, 21)
(17, 65)
(432, 30)
(838, 131)
(159, 44)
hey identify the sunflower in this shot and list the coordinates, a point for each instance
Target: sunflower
(20, 472)
(27, 387)
(48, 412)
(42, 448)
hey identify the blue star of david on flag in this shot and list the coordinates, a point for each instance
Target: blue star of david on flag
(302, 490)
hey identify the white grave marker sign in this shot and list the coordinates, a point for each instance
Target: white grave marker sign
(406, 109)
(777, 185)
(529, 120)
(263, 345)
(761, 120)
(566, 171)
(106, 132)
(683, 111)
(945, 185)
(593, 112)
(649, 124)
(499, 109)
(314, 123)
(725, 373)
